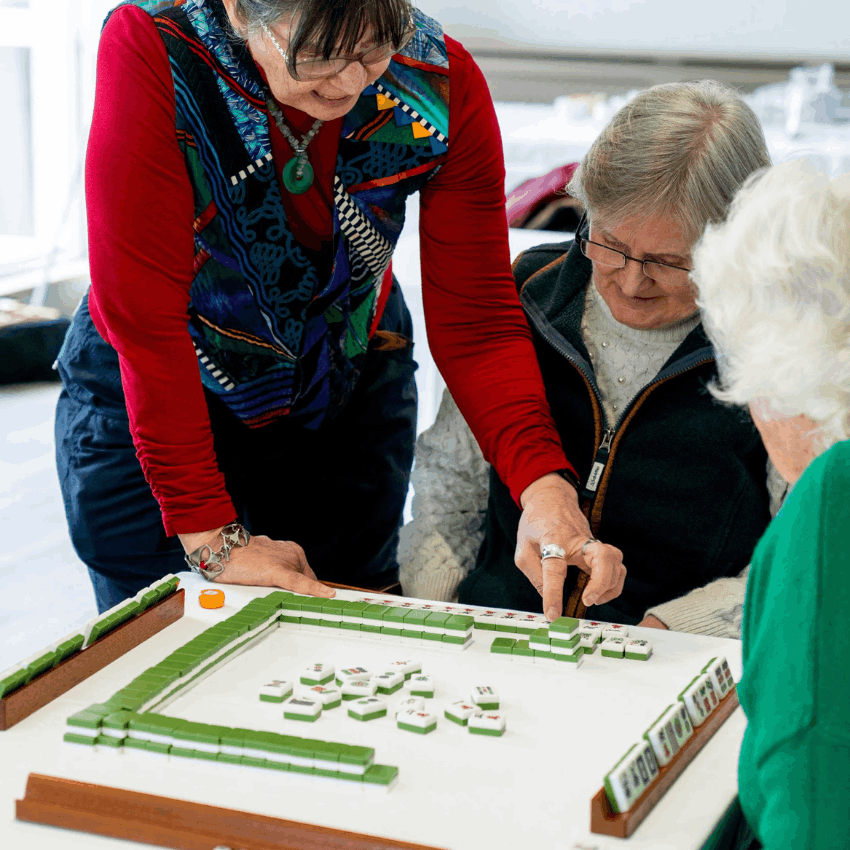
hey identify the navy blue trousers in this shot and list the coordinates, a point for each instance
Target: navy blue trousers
(338, 491)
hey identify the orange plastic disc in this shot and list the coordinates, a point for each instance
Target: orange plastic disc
(211, 598)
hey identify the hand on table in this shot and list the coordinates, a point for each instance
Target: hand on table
(551, 514)
(263, 563)
(650, 622)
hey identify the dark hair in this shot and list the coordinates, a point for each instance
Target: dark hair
(328, 26)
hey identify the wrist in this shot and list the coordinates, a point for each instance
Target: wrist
(551, 481)
(192, 541)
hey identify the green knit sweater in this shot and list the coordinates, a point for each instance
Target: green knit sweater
(794, 770)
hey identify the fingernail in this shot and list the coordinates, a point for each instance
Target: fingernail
(552, 614)
(591, 600)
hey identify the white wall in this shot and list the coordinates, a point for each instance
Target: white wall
(778, 29)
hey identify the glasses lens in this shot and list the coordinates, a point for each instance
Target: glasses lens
(667, 275)
(602, 255)
(316, 69)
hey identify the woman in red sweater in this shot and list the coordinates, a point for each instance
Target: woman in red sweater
(244, 353)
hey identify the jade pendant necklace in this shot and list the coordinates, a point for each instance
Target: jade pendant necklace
(297, 173)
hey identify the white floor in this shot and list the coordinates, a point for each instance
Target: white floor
(44, 588)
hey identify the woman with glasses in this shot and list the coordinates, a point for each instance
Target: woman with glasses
(240, 375)
(667, 476)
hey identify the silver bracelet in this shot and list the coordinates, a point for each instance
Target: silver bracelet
(208, 563)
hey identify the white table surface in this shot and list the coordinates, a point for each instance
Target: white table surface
(531, 787)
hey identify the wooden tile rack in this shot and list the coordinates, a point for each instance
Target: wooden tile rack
(605, 821)
(43, 689)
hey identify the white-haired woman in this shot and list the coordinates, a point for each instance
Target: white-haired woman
(242, 363)
(774, 288)
(671, 479)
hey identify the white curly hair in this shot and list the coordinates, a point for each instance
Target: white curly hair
(774, 290)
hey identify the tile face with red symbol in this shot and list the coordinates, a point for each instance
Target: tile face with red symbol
(487, 723)
(421, 722)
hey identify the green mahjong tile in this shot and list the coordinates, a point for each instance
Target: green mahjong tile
(286, 618)
(334, 606)
(201, 754)
(42, 664)
(185, 752)
(127, 612)
(325, 750)
(458, 640)
(200, 733)
(488, 706)
(540, 636)
(437, 638)
(69, 647)
(86, 719)
(272, 764)
(325, 771)
(155, 746)
(636, 657)
(510, 628)
(328, 624)
(353, 754)
(355, 609)
(493, 733)
(569, 659)
(301, 768)
(487, 627)
(564, 625)
(392, 690)
(460, 721)
(437, 619)
(251, 761)
(380, 774)
(117, 720)
(415, 617)
(226, 757)
(542, 653)
(73, 738)
(394, 615)
(136, 743)
(277, 597)
(412, 634)
(370, 627)
(310, 603)
(154, 724)
(13, 681)
(375, 612)
(352, 627)
(459, 622)
(389, 631)
(109, 741)
(607, 653)
(523, 648)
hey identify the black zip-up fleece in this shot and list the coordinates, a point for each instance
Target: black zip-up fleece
(682, 487)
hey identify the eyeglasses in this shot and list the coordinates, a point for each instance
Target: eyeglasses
(319, 69)
(662, 273)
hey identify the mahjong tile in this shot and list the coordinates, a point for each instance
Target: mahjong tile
(410, 704)
(487, 723)
(317, 674)
(354, 688)
(349, 673)
(368, 708)
(276, 691)
(485, 696)
(459, 711)
(302, 708)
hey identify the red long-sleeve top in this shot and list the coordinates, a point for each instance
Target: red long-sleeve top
(141, 247)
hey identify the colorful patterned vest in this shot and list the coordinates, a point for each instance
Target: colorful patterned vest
(272, 337)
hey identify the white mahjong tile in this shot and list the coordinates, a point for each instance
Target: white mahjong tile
(350, 673)
(625, 793)
(421, 685)
(727, 670)
(410, 704)
(705, 693)
(303, 706)
(613, 644)
(615, 630)
(326, 695)
(406, 668)
(592, 624)
(589, 637)
(367, 705)
(507, 618)
(359, 688)
(489, 721)
(449, 609)
(693, 703)
(639, 647)
(717, 673)
(277, 689)
(484, 694)
(388, 680)
(649, 761)
(317, 674)
(711, 692)
(487, 617)
(468, 612)
(681, 721)
(663, 739)
(533, 621)
(421, 719)
(569, 651)
(460, 709)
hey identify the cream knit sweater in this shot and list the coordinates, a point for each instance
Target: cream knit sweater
(450, 480)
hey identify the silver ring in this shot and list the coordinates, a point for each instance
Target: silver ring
(551, 550)
(588, 542)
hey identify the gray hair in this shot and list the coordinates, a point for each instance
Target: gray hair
(679, 150)
(326, 25)
(774, 289)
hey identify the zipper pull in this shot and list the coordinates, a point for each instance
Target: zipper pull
(598, 464)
